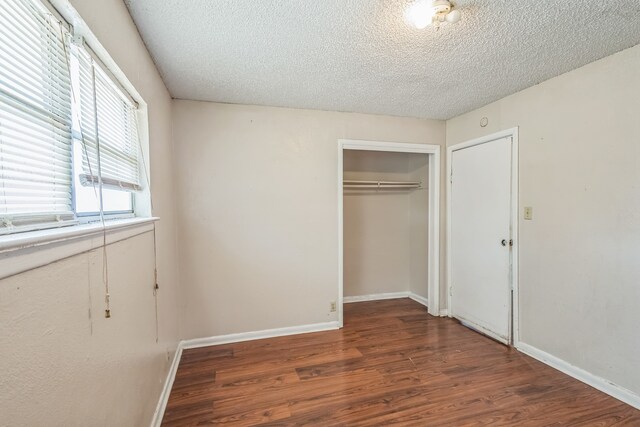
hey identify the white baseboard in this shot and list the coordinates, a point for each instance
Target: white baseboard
(594, 381)
(375, 297)
(419, 299)
(389, 295)
(166, 390)
(258, 335)
(226, 339)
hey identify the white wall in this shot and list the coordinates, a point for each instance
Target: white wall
(385, 232)
(258, 210)
(580, 171)
(58, 366)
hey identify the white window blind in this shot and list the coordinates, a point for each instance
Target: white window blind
(109, 129)
(35, 118)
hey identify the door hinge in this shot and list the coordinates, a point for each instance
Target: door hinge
(510, 242)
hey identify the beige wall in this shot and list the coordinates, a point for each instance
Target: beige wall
(384, 232)
(419, 225)
(58, 366)
(258, 218)
(580, 171)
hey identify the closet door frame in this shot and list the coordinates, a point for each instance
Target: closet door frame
(433, 261)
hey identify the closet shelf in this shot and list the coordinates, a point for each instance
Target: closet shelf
(380, 185)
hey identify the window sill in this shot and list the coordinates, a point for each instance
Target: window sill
(25, 251)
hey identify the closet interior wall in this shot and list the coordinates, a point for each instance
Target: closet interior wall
(385, 230)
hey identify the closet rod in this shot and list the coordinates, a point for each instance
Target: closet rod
(375, 187)
(354, 182)
(382, 184)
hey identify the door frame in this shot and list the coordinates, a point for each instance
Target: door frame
(433, 261)
(514, 312)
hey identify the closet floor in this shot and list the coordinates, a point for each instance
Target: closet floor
(391, 364)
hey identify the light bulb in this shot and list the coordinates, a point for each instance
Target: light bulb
(420, 14)
(421, 23)
(453, 16)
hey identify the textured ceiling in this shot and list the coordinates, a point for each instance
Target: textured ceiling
(360, 56)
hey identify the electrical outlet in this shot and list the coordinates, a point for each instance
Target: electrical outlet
(333, 306)
(528, 213)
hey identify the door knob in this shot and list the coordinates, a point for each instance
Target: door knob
(504, 242)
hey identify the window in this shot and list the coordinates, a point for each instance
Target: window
(69, 146)
(106, 129)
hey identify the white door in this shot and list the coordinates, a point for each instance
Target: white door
(480, 237)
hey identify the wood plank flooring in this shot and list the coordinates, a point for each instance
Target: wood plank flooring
(391, 364)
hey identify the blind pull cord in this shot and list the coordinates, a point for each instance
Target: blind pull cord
(105, 272)
(105, 266)
(156, 286)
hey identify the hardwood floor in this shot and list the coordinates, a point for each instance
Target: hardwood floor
(391, 364)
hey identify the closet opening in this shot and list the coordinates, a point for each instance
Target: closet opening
(388, 220)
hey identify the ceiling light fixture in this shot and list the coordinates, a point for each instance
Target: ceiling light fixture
(425, 12)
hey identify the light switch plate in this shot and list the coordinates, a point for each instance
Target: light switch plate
(528, 213)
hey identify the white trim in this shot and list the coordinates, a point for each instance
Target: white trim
(258, 335)
(448, 229)
(514, 314)
(515, 236)
(166, 389)
(419, 299)
(605, 386)
(434, 212)
(389, 295)
(20, 241)
(481, 140)
(433, 266)
(26, 251)
(376, 297)
(340, 236)
(396, 147)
